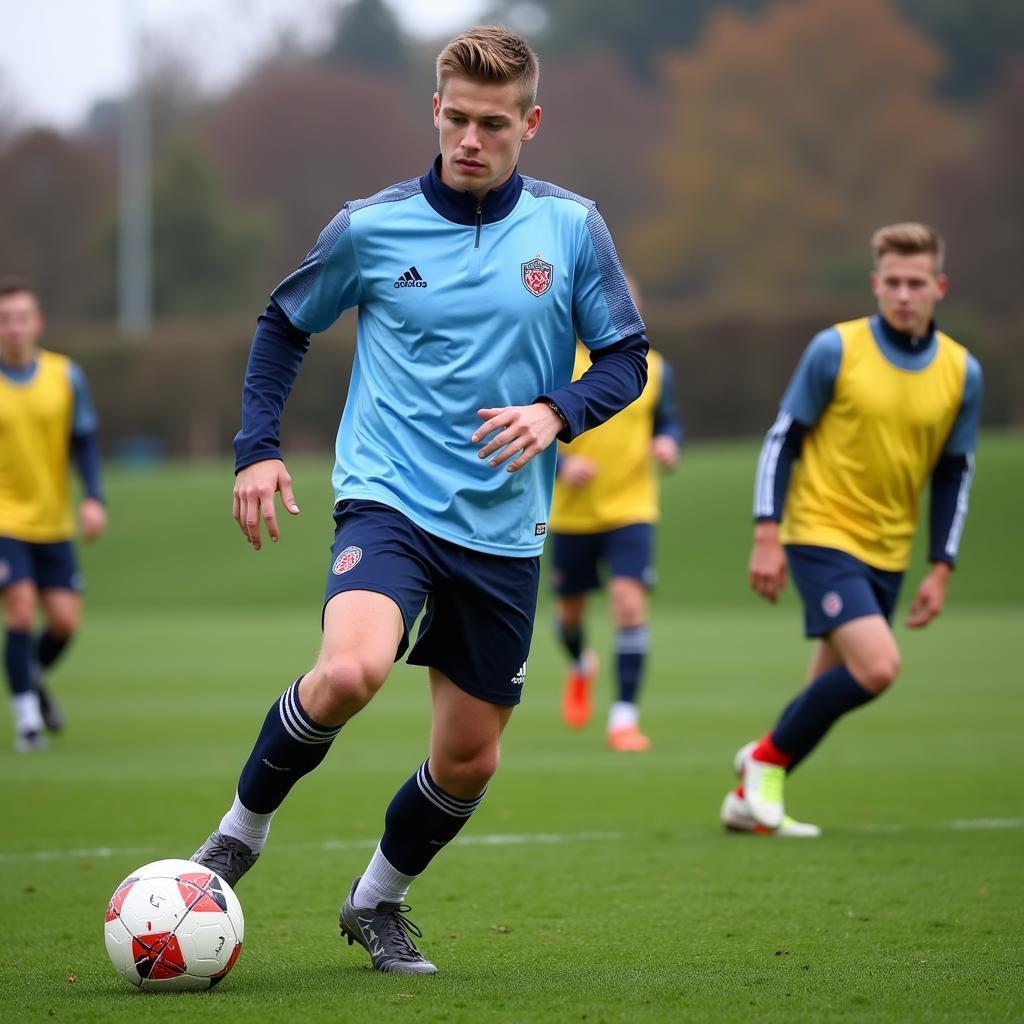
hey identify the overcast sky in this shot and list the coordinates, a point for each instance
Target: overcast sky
(58, 56)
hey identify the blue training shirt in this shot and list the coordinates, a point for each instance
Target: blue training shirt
(462, 306)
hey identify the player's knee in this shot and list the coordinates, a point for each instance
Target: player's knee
(879, 672)
(465, 775)
(629, 617)
(65, 625)
(346, 684)
(629, 606)
(18, 621)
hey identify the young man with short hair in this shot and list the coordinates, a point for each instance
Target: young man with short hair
(472, 284)
(876, 407)
(47, 421)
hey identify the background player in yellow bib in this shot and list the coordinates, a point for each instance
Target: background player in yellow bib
(876, 407)
(603, 513)
(47, 419)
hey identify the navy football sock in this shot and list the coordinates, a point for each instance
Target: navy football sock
(420, 819)
(18, 661)
(289, 745)
(631, 644)
(572, 640)
(807, 718)
(49, 648)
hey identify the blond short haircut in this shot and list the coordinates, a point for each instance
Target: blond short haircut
(909, 239)
(491, 53)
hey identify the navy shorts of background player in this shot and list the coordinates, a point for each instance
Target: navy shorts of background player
(577, 558)
(835, 587)
(49, 566)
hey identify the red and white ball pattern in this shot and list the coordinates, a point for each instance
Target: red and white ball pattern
(173, 925)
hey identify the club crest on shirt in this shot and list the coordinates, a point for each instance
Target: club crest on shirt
(831, 604)
(348, 559)
(537, 275)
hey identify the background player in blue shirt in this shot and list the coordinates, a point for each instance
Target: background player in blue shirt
(472, 283)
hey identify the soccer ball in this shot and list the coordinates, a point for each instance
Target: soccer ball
(173, 925)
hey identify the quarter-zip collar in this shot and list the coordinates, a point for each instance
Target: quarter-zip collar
(463, 207)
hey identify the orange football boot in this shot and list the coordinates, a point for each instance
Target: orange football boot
(628, 738)
(577, 697)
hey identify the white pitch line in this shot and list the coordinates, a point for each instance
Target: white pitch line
(982, 823)
(332, 845)
(496, 839)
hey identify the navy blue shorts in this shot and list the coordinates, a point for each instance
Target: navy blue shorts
(576, 558)
(49, 566)
(836, 587)
(480, 608)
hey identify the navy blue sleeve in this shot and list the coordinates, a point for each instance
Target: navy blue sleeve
(84, 445)
(951, 485)
(666, 413)
(779, 452)
(616, 376)
(85, 452)
(277, 351)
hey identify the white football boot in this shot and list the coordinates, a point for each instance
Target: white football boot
(736, 817)
(764, 787)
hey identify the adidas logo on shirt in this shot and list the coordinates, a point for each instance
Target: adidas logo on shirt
(411, 279)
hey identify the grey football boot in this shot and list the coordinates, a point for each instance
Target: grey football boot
(384, 932)
(227, 856)
(53, 716)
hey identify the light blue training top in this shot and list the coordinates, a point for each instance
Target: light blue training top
(462, 306)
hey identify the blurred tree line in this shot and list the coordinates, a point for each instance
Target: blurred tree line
(741, 150)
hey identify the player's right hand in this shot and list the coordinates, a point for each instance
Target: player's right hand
(577, 470)
(768, 562)
(253, 499)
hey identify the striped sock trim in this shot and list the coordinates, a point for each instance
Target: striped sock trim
(297, 723)
(633, 641)
(442, 800)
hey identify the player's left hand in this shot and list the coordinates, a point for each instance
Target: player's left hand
(665, 451)
(524, 431)
(92, 518)
(930, 597)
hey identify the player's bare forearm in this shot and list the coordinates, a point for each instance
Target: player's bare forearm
(523, 431)
(253, 499)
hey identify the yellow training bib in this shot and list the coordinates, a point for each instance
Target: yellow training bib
(625, 489)
(863, 464)
(35, 433)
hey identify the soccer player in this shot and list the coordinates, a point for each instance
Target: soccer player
(47, 420)
(473, 283)
(603, 513)
(876, 407)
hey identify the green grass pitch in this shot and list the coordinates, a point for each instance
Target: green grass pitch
(589, 886)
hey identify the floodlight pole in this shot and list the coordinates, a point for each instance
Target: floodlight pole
(135, 236)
